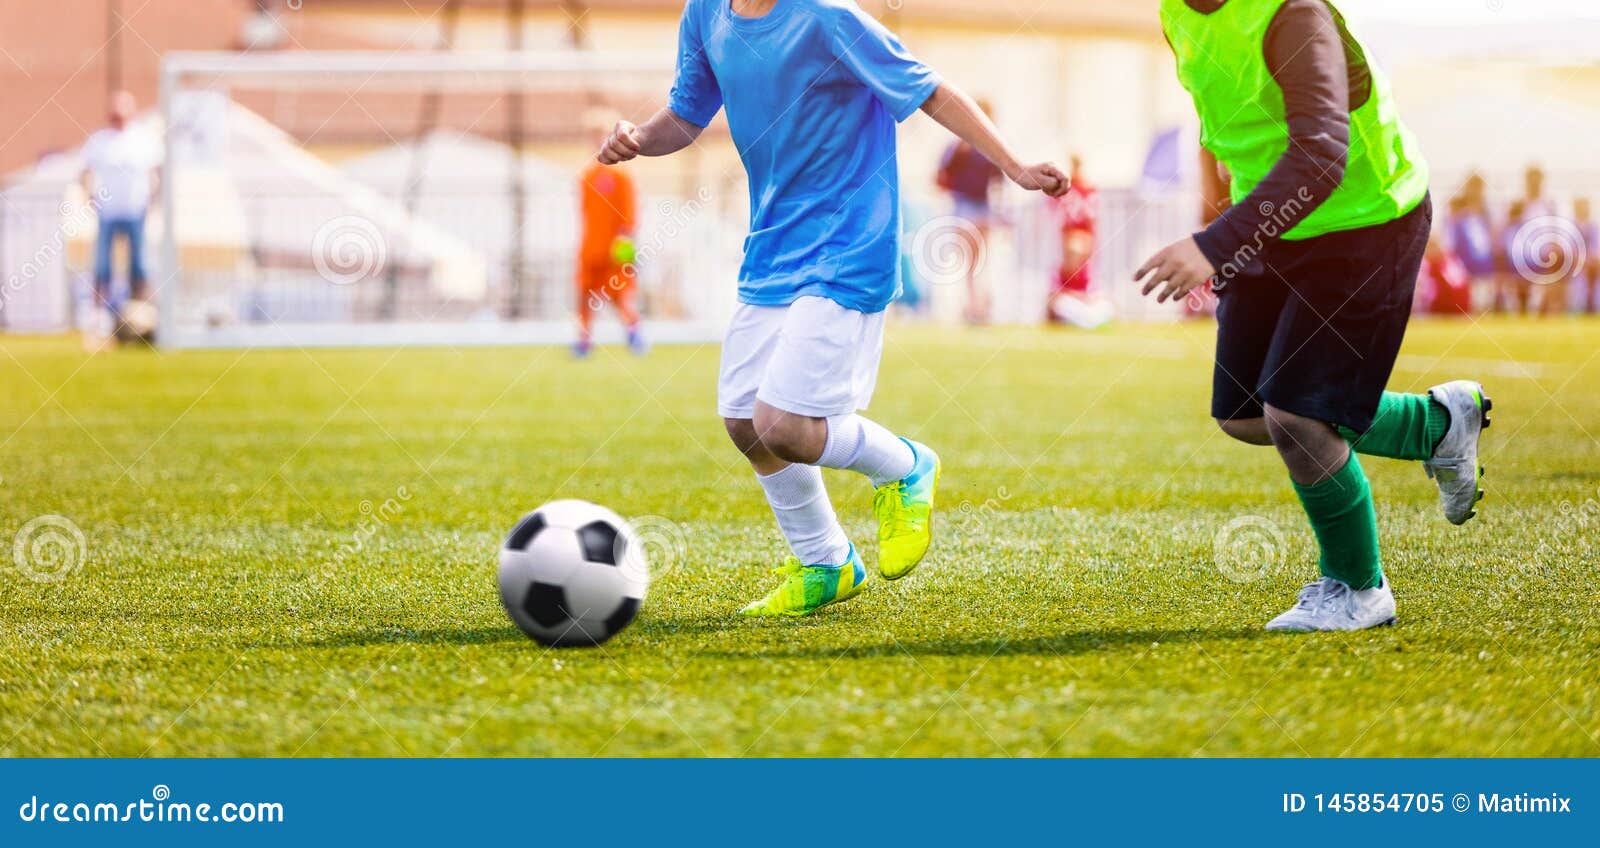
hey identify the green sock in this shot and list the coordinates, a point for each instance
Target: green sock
(1340, 510)
(1406, 427)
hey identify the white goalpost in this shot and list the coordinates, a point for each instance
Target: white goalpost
(364, 198)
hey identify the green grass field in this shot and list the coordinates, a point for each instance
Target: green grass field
(293, 553)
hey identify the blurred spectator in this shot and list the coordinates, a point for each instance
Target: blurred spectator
(1512, 288)
(1072, 300)
(1444, 286)
(969, 178)
(1585, 293)
(120, 173)
(1534, 202)
(1469, 235)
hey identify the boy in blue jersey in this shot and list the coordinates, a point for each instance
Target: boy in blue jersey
(813, 90)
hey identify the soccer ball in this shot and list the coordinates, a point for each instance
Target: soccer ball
(136, 322)
(572, 573)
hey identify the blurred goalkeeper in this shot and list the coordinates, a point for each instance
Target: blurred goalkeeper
(606, 272)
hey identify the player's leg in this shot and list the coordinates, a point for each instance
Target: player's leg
(825, 368)
(1254, 322)
(626, 296)
(1251, 431)
(136, 277)
(1248, 310)
(587, 294)
(1333, 490)
(825, 568)
(103, 238)
(797, 496)
(978, 305)
(1333, 352)
(1441, 429)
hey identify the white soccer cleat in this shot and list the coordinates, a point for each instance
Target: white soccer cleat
(1329, 604)
(1454, 465)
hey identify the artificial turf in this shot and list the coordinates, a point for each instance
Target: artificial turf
(293, 553)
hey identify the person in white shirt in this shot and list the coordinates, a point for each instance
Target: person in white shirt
(120, 173)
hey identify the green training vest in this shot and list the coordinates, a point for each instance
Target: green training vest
(1222, 64)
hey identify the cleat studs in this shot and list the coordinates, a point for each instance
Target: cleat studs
(1479, 496)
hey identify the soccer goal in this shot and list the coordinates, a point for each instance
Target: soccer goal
(366, 198)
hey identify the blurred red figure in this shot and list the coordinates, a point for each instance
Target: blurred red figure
(606, 274)
(1076, 214)
(1444, 285)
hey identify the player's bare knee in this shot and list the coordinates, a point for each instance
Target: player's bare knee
(1296, 435)
(1284, 428)
(785, 434)
(743, 433)
(1251, 431)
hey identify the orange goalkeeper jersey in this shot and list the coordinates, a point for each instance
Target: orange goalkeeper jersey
(607, 207)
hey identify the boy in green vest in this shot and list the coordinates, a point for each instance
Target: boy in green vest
(1314, 265)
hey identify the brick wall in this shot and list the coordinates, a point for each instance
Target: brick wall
(56, 62)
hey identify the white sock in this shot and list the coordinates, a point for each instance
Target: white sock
(865, 447)
(800, 503)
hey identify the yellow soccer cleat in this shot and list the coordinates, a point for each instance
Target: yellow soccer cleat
(808, 588)
(905, 515)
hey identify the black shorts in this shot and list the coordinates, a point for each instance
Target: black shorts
(1316, 330)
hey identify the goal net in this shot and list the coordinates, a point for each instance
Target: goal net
(313, 198)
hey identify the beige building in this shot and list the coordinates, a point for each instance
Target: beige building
(1063, 75)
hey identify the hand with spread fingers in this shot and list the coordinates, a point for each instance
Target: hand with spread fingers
(1174, 271)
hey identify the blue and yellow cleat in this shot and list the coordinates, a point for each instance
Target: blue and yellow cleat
(808, 588)
(905, 515)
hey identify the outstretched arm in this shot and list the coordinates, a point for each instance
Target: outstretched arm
(957, 112)
(664, 133)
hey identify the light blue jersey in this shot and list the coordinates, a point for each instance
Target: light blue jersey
(813, 90)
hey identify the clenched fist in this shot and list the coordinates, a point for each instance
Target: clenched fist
(621, 145)
(1045, 176)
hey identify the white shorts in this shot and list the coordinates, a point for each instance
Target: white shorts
(812, 357)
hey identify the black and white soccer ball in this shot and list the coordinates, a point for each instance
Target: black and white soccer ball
(135, 322)
(572, 573)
